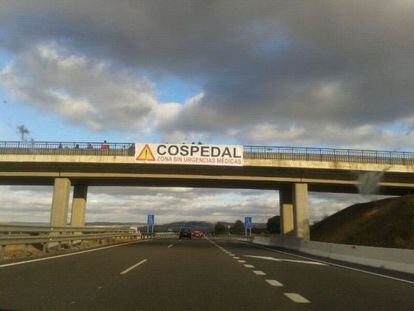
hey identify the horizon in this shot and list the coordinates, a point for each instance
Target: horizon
(223, 73)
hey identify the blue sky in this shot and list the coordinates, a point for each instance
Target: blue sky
(255, 73)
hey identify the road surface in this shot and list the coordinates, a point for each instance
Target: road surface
(198, 274)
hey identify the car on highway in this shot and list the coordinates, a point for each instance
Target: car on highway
(185, 233)
(198, 234)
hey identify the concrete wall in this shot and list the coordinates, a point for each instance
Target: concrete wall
(387, 258)
(297, 164)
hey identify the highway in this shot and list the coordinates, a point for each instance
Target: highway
(198, 274)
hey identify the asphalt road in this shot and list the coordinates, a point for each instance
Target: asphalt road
(169, 274)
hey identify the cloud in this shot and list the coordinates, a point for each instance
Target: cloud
(85, 92)
(129, 204)
(343, 64)
(132, 204)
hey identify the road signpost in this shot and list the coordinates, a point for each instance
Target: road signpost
(248, 225)
(150, 223)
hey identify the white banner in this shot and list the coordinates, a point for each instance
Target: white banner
(189, 154)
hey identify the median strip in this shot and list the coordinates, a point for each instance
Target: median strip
(133, 267)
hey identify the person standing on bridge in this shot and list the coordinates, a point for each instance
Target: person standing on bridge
(105, 145)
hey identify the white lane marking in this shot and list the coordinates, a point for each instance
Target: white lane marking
(274, 283)
(263, 257)
(242, 261)
(333, 264)
(66, 255)
(236, 257)
(288, 260)
(249, 266)
(304, 261)
(296, 298)
(171, 245)
(134, 266)
(258, 272)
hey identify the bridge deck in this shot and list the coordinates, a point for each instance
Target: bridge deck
(250, 152)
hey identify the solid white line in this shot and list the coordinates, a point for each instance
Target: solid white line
(274, 283)
(296, 298)
(134, 266)
(249, 266)
(288, 260)
(263, 257)
(66, 255)
(258, 272)
(304, 261)
(171, 245)
(332, 264)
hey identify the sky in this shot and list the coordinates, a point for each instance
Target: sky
(291, 73)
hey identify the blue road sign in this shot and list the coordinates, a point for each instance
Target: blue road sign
(248, 222)
(150, 220)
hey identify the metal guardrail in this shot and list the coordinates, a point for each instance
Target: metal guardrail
(250, 152)
(13, 229)
(46, 236)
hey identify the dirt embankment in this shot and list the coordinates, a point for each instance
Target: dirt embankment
(382, 223)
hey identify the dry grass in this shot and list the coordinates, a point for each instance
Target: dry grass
(383, 223)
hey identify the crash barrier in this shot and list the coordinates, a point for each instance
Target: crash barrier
(387, 258)
(47, 238)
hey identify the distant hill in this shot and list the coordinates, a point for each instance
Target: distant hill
(175, 226)
(382, 223)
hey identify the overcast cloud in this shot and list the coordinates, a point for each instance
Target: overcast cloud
(129, 204)
(331, 73)
(342, 65)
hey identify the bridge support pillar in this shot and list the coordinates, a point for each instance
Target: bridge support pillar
(60, 202)
(286, 211)
(300, 207)
(79, 205)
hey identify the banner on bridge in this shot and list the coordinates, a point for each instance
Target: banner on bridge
(189, 154)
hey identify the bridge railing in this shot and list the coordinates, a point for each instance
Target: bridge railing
(43, 237)
(329, 155)
(250, 152)
(67, 148)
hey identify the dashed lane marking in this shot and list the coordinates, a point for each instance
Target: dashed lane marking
(331, 263)
(69, 254)
(241, 261)
(258, 272)
(274, 283)
(236, 257)
(171, 245)
(134, 266)
(249, 266)
(296, 298)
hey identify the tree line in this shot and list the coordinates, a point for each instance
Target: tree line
(272, 226)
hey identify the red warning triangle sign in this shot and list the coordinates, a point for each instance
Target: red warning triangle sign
(145, 154)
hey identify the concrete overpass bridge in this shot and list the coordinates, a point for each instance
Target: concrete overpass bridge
(291, 170)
